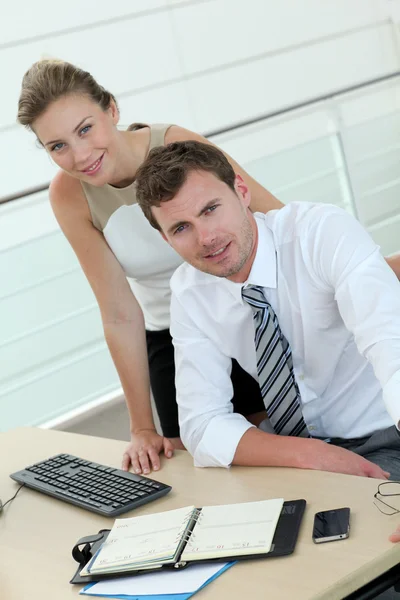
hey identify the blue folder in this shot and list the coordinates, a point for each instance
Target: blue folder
(160, 596)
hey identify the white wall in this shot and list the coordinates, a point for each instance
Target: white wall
(204, 65)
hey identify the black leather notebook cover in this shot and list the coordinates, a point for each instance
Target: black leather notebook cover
(283, 543)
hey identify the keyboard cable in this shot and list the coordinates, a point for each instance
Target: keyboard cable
(10, 499)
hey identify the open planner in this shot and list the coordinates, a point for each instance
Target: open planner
(183, 536)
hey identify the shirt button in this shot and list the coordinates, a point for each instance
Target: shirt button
(301, 377)
(311, 428)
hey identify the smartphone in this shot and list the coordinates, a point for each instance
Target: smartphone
(331, 525)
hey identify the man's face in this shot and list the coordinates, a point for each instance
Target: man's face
(210, 225)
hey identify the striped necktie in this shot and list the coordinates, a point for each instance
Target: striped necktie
(275, 367)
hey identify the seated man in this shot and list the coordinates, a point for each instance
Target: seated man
(300, 297)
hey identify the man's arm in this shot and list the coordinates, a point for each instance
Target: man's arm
(346, 259)
(209, 428)
(259, 449)
(217, 437)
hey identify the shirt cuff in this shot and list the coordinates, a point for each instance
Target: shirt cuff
(391, 396)
(220, 440)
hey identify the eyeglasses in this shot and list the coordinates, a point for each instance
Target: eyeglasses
(387, 489)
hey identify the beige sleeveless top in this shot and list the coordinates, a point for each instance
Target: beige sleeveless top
(148, 261)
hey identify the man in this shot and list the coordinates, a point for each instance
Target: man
(300, 297)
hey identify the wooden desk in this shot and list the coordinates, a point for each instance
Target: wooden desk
(37, 532)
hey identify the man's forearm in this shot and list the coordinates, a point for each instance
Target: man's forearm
(259, 449)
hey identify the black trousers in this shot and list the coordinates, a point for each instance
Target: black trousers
(246, 399)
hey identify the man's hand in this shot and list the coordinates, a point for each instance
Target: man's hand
(144, 449)
(395, 536)
(339, 460)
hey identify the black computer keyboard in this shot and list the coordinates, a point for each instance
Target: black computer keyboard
(96, 487)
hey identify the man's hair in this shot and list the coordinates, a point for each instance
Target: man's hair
(166, 168)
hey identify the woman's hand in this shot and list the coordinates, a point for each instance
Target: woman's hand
(144, 449)
(395, 536)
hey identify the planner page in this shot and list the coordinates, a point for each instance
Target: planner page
(143, 542)
(234, 530)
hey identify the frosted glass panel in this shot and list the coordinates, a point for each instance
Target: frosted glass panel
(34, 261)
(365, 170)
(310, 173)
(326, 189)
(52, 349)
(376, 171)
(373, 150)
(373, 173)
(44, 304)
(45, 348)
(380, 204)
(372, 136)
(302, 162)
(387, 235)
(50, 395)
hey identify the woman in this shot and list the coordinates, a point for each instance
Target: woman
(93, 198)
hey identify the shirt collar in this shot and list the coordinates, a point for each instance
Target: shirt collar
(263, 270)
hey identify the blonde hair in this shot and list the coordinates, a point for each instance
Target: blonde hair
(50, 79)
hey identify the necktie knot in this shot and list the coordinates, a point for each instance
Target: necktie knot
(254, 295)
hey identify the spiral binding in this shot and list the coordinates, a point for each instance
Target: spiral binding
(198, 516)
(191, 517)
(191, 535)
(186, 532)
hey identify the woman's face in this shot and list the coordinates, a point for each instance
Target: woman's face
(80, 137)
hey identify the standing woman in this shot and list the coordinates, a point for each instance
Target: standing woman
(126, 262)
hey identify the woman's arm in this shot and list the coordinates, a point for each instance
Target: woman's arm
(122, 319)
(261, 199)
(394, 263)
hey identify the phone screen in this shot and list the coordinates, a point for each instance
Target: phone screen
(331, 525)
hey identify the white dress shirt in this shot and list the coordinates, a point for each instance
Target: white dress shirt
(338, 305)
